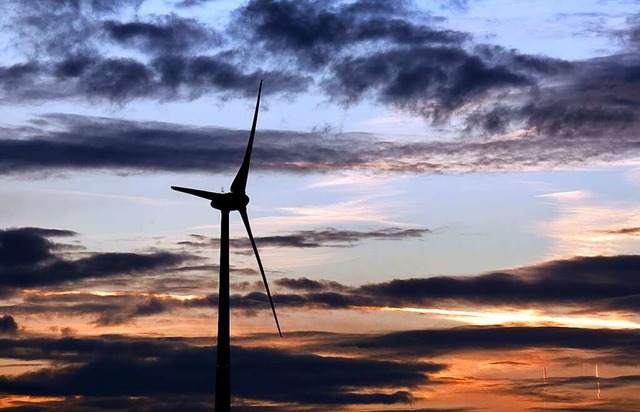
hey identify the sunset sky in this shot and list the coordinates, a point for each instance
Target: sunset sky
(445, 195)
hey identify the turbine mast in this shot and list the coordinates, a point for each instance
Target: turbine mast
(223, 351)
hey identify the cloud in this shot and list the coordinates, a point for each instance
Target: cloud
(169, 34)
(593, 285)
(191, 3)
(120, 79)
(100, 57)
(432, 81)
(332, 237)
(315, 33)
(162, 368)
(28, 245)
(517, 111)
(315, 238)
(309, 285)
(174, 373)
(624, 231)
(585, 283)
(587, 226)
(434, 342)
(108, 310)
(36, 31)
(397, 55)
(28, 259)
(408, 62)
(76, 142)
(58, 143)
(8, 325)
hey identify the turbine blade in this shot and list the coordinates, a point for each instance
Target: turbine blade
(245, 219)
(200, 193)
(240, 182)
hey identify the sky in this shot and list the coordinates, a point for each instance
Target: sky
(444, 194)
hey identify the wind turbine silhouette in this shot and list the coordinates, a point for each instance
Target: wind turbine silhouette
(237, 199)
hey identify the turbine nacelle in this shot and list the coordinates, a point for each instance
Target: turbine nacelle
(221, 201)
(230, 201)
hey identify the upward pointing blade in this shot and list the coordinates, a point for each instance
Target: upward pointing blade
(240, 182)
(245, 219)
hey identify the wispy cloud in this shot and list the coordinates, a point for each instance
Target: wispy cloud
(135, 199)
(588, 226)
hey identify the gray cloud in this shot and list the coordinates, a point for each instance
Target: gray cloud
(438, 342)
(98, 374)
(315, 33)
(160, 368)
(28, 259)
(583, 283)
(120, 79)
(164, 34)
(55, 143)
(310, 285)
(315, 238)
(565, 113)
(8, 325)
(624, 231)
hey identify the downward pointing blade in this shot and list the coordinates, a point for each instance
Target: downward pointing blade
(245, 219)
(240, 182)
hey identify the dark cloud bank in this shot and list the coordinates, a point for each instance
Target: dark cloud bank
(566, 112)
(583, 284)
(168, 371)
(28, 259)
(59, 143)
(124, 373)
(120, 373)
(329, 237)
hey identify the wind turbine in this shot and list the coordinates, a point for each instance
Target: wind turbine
(237, 199)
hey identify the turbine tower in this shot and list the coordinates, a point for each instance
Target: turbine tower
(237, 199)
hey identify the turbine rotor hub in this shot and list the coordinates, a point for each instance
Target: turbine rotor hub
(230, 201)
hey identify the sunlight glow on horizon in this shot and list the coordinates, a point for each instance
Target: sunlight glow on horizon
(525, 317)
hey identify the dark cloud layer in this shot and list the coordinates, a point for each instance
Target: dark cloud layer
(166, 368)
(400, 57)
(396, 55)
(8, 325)
(315, 238)
(107, 310)
(565, 113)
(579, 284)
(317, 33)
(631, 231)
(437, 342)
(120, 79)
(28, 259)
(137, 373)
(583, 283)
(176, 57)
(58, 143)
(166, 34)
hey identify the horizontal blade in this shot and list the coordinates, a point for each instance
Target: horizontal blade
(239, 184)
(200, 193)
(245, 219)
